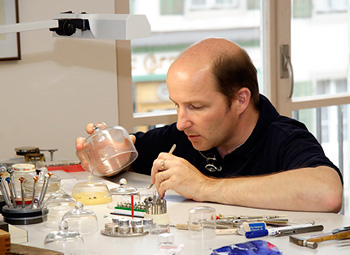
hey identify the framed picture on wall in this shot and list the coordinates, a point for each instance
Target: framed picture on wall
(9, 43)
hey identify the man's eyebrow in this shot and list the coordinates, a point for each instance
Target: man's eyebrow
(188, 102)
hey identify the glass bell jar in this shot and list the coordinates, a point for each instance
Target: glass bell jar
(65, 240)
(81, 220)
(108, 150)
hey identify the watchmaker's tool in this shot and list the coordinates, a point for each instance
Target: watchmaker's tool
(342, 229)
(29, 212)
(35, 179)
(126, 228)
(47, 182)
(238, 220)
(21, 179)
(312, 242)
(33, 153)
(268, 219)
(156, 209)
(171, 152)
(11, 188)
(10, 171)
(4, 191)
(44, 187)
(283, 231)
(218, 231)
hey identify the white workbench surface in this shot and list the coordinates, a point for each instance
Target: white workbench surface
(178, 213)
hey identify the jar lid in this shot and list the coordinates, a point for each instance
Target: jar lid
(23, 167)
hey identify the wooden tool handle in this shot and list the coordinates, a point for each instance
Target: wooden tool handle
(338, 236)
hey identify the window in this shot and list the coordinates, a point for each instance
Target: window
(315, 30)
(213, 4)
(171, 34)
(329, 6)
(319, 55)
(172, 7)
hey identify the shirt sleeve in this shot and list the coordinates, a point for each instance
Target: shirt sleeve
(151, 143)
(301, 149)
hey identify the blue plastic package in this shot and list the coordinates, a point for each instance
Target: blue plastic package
(256, 247)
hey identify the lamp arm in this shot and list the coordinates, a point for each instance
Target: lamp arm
(28, 26)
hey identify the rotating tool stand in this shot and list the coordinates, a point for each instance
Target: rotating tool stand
(18, 211)
(24, 216)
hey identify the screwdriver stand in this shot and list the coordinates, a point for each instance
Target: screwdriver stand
(156, 209)
(24, 215)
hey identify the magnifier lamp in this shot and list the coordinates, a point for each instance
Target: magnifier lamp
(89, 26)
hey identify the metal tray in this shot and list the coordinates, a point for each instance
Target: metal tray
(103, 232)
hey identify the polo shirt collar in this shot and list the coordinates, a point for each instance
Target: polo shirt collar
(267, 115)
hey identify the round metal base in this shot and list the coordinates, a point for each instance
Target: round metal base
(24, 216)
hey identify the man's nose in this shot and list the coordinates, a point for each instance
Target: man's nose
(183, 122)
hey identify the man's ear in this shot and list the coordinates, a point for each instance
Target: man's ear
(243, 97)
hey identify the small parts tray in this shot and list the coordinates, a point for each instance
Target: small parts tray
(127, 228)
(104, 232)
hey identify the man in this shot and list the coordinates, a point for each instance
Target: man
(232, 145)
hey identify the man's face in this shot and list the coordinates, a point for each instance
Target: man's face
(202, 110)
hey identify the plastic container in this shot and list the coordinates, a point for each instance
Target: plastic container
(21, 170)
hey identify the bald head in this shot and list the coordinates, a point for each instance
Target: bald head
(210, 48)
(229, 64)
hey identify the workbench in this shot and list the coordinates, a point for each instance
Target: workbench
(178, 208)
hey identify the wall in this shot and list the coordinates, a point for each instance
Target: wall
(59, 86)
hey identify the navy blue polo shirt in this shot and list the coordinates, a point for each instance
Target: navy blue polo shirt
(277, 143)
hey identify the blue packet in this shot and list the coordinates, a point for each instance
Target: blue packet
(256, 247)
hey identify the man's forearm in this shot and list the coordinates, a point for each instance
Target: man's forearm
(306, 189)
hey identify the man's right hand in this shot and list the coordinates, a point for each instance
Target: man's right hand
(79, 145)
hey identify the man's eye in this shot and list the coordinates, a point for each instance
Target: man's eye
(196, 107)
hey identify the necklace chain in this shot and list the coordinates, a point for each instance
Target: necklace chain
(210, 166)
(211, 161)
(229, 151)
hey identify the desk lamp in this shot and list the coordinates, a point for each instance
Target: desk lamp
(89, 26)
